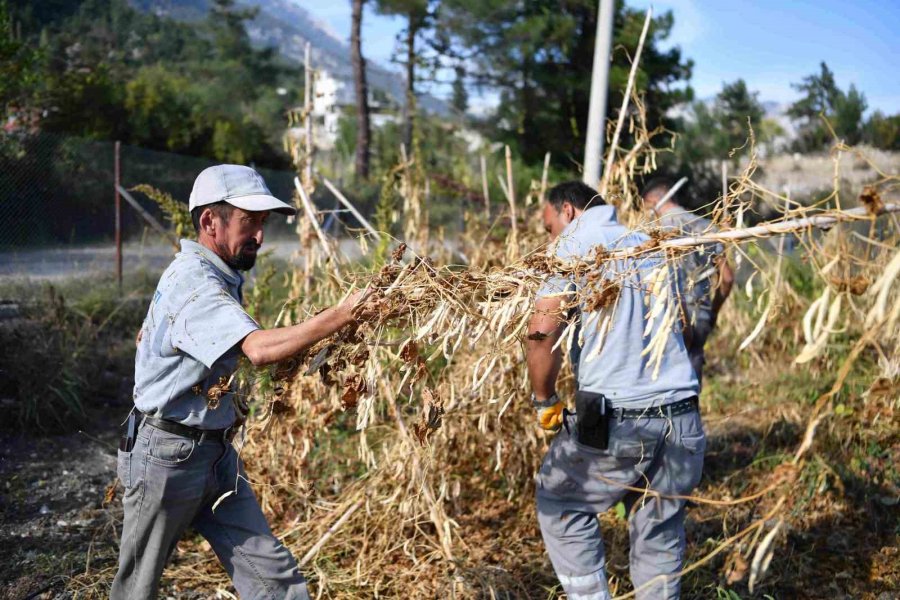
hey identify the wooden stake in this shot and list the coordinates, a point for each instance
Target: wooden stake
(485, 191)
(314, 221)
(343, 200)
(607, 169)
(544, 177)
(511, 196)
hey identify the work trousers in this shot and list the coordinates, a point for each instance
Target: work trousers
(171, 483)
(658, 456)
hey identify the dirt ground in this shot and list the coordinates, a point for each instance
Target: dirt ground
(53, 523)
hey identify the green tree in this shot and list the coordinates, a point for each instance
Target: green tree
(418, 20)
(538, 55)
(361, 92)
(159, 104)
(882, 131)
(848, 115)
(821, 97)
(735, 108)
(104, 70)
(19, 66)
(460, 96)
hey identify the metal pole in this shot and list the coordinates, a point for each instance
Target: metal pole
(596, 129)
(118, 182)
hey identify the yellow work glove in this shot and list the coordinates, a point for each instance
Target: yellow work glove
(551, 419)
(550, 412)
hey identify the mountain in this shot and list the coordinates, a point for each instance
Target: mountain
(288, 27)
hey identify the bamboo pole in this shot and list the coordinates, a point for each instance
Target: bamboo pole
(343, 200)
(820, 221)
(331, 531)
(314, 221)
(621, 121)
(148, 217)
(511, 196)
(485, 190)
(544, 177)
(672, 191)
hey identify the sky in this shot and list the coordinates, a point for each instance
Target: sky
(768, 43)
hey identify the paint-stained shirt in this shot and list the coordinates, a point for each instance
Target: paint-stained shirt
(189, 340)
(614, 349)
(699, 266)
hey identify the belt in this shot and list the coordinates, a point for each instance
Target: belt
(681, 407)
(198, 435)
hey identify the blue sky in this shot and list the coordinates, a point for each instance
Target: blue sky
(768, 43)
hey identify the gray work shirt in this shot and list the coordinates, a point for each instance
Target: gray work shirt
(189, 340)
(698, 266)
(612, 360)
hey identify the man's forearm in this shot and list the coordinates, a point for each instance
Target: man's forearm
(267, 346)
(543, 366)
(724, 283)
(543, 362)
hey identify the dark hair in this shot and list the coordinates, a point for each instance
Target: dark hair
(657, 184)
(220, 209)
(576, 193)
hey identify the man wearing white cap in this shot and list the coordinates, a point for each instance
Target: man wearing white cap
(176, 459)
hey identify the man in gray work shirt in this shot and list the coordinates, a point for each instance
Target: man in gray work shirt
(181, 460)
(636, 435)
(706, 273)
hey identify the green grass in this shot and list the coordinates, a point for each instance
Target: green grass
(67, 337)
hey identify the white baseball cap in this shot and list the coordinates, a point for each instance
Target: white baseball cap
(237, 185)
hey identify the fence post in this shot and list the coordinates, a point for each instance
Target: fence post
(118, 218)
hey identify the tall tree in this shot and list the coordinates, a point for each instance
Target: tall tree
(823, 98)
(417, 14)
(460, 96)
(883, 131)
(538, 55)
(362, 92)
(735, 105)
(848, 115)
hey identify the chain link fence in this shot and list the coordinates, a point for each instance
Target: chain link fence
(58, 190)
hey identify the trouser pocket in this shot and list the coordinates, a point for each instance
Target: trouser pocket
(123, 468)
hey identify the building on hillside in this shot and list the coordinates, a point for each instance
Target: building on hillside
(332, 99)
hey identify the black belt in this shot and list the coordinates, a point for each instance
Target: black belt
(198, 435)
(682, 407)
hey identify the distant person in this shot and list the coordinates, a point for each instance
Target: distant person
(176, 459)
(633, 427)
(707, 276)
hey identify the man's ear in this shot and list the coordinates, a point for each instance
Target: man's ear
(207, 222)
(569, 211)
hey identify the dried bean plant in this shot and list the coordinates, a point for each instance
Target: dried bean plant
(396, 459)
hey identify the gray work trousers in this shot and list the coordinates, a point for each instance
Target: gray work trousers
(171, 483)
(576, 482)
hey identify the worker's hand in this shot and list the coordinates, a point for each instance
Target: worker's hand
(551, 418)
(356, 304)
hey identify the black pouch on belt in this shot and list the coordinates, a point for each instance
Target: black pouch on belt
(592, 423)
(126, 443)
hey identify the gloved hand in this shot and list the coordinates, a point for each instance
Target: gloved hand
(551, 418)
